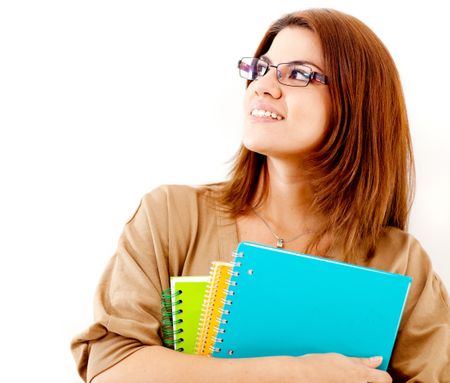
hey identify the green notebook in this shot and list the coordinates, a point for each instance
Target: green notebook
(187, 299)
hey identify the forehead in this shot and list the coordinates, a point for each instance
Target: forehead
(296, 44)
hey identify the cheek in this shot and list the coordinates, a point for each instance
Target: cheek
(247, 94)
(314, 109)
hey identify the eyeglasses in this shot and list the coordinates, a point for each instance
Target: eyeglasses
(290, 74)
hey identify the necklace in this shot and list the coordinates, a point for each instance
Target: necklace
(280, 241)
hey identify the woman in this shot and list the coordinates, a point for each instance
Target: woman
(325, 168)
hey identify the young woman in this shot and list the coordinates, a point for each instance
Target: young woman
(325, 168)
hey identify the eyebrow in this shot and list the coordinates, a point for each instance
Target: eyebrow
(265, 58)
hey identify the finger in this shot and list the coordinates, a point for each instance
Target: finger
(377, 376)
(372, 362)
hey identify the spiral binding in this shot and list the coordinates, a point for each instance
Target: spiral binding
(220, 272)
(168, 303)
(228, 302)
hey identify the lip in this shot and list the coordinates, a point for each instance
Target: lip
(267, 107)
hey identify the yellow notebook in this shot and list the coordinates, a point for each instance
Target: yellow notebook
(213, 303)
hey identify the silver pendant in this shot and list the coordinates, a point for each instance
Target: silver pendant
(280, 243)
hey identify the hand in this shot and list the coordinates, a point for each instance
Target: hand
(331, 368)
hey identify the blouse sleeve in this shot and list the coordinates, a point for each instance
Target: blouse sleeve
(422, 348)
(127, 301)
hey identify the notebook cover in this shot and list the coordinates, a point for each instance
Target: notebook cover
(187, 299)
(286, 303)
(216, 291)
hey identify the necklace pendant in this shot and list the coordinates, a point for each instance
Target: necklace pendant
(280, 243)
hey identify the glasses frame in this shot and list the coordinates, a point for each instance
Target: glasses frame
(313, 76)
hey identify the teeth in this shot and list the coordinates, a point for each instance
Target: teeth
(265, 113)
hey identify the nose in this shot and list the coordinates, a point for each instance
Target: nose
(267, 84)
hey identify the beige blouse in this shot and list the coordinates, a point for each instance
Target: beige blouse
(178, 230)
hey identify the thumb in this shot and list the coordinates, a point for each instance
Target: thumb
(373, 362)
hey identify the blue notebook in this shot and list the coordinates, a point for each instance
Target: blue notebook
(285, 303)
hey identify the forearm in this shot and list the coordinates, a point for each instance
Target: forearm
(157, 364)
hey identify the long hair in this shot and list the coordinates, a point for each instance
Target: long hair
(362, 173)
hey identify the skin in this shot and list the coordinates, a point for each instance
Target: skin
(306, 114)
(157, 364)
(305, 110)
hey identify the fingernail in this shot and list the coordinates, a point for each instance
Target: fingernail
(376, 359)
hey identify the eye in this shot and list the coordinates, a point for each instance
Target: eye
(248, 68)
(261, 67)
(299, 73)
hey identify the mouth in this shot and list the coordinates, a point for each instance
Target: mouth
(266, 114)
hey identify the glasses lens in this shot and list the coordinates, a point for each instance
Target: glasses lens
(251, 68)
(294, 74)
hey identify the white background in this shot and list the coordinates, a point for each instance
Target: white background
(100, 101)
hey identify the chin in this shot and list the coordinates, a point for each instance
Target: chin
(256, 146)
(280, 152)
(259, 141)
(265, 150)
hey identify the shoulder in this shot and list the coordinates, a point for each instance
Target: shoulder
(400, 252)
(176, 208)
(174, 189)
(175, 219)
(395, 238)
(173, 199)
(177, 195)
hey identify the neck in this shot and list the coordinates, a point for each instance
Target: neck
(289, 193)
(285, 212)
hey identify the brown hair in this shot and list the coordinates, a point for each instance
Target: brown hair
(363, 172)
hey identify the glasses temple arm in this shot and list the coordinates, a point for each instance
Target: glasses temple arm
(319, 77)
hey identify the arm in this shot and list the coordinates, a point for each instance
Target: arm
(157, 364)
(123, 344)
(422, 349)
